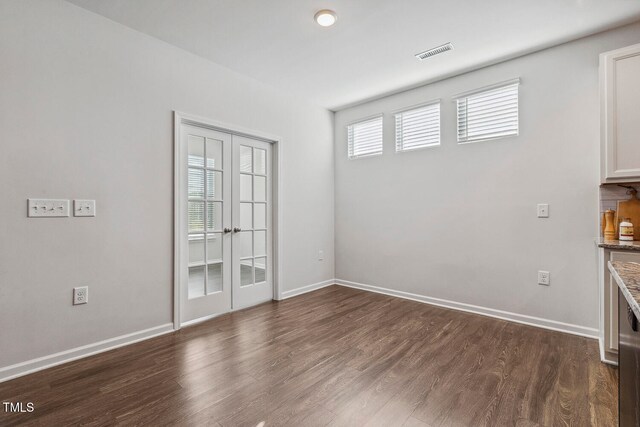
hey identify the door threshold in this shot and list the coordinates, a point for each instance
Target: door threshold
(213, 316)
(201, 319)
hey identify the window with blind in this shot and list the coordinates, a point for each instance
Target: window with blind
(418, 127)
(364, 138)
(488, 113)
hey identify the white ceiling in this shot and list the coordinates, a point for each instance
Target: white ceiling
(369, 52)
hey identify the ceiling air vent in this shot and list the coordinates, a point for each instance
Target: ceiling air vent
(436, 50)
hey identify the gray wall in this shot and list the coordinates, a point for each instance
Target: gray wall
(458, 222)
(86, 112)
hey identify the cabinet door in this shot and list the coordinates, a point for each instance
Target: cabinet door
(620, 109)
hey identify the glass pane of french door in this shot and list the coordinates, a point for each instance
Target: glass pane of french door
(205, 206)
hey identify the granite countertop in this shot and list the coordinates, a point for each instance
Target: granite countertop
(618, 244)
(627, 276)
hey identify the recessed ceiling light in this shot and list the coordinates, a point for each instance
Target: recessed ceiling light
(326, 17)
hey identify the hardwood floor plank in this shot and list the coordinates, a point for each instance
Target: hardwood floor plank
(333, 357)
(414, 422)
(603, 389)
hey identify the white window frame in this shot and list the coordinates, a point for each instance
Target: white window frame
(362, 121)
(465, 95)
(413, 108)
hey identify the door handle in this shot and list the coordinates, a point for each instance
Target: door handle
(237, 229)
(227, 230)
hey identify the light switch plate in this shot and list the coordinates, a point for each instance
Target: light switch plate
(47, 208)
(543, 210)
(84, 208)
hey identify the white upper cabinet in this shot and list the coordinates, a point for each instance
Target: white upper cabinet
(620, 114)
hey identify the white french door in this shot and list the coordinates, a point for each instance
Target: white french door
(224, 220)
(205, 222)
(251, 187)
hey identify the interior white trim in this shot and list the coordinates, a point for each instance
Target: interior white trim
(40, 363)
(304, 289)
(483, 88)
(605, 356)
(552, 325)
(365, 119)
(416, 106)
(484, 311)
(34, 365)
(180, 118)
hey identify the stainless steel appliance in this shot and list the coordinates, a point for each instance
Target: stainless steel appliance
(629, 364)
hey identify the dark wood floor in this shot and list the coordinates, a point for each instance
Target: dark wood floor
(338, 357)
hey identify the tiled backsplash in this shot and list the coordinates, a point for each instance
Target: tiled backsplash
(611, 194)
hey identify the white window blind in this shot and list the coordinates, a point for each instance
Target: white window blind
(488, 113)
(365, 138)
(418, 127)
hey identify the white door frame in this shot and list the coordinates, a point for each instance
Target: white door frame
(179, 119)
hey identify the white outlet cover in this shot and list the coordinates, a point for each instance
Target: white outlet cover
(544, 278)
(84, 208)
(80, 295)
(47, 208)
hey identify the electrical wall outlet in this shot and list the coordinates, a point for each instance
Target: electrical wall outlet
(544, 278)
(47, 208)
(320, 255)
(543, 210)
(84, 208)
(80, 295)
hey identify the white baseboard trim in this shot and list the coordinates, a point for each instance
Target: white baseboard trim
(308, 288)
(34, 365)
(553, 325)
(606, 356)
